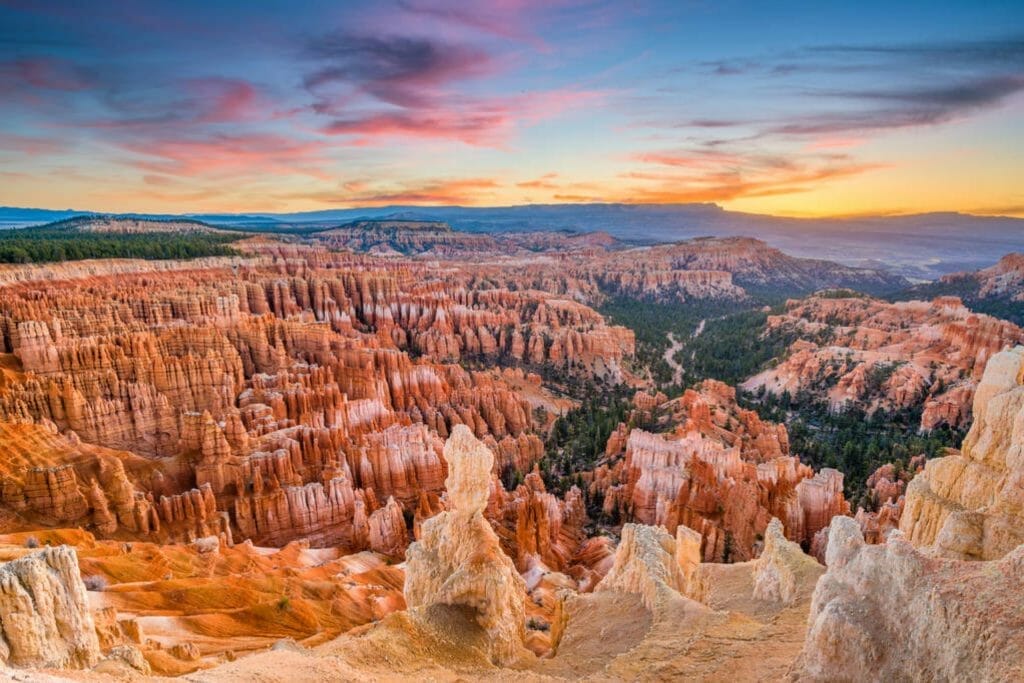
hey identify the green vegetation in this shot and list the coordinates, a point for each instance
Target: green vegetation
(54, 243)
(535, 624)
(734, 347)
(1000, 307)
(840, 294)
(731, 347)
(653, 321)
(577, 443)
(852, 441)
(578, 438)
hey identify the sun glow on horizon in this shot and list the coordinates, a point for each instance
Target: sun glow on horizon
(854, 111)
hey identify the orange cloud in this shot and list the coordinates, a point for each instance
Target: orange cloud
(545, 182)
(720, 175)
(467, 191)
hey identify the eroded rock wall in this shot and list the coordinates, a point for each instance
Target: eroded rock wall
(45, 619)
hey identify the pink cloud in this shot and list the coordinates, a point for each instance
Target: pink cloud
(725, 176)
(31, 146)
(225, 100)
(401, 71)
(229, 155)
(43, 73)
(485, 127)
(485, 122)
(545, 182)
(844, 142)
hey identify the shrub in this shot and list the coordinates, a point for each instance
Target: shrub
(31, 542)
(284, 603)
(535, 624)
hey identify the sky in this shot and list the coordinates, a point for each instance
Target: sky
(785, 108)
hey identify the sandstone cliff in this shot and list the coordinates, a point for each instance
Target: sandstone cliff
(888, 356)
(954, 621)
(45, 619)
(721, 471)
(954, 567)
(284, 396)
(969, 504)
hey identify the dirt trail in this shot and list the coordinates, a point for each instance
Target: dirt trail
(670, 358)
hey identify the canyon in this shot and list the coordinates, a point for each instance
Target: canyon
(855, 350)
(674, 615)
(336, 456)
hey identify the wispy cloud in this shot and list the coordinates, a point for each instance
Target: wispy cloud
(228, 155)
(370, 193)
(620, 101)
(904, 107)
(701, 175)
(548, 181)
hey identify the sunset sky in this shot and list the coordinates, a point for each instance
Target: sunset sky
(800, 109)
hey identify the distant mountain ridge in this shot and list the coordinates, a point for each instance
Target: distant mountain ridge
(921, 246)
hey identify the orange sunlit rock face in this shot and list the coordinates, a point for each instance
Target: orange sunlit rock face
(888, 356)
(279, 399)
(723, 472)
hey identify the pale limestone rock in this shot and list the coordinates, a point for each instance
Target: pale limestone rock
(130, 655)
(206, 545)
(782, 563)
(889, 612)
(970, 505)
(45, 619)
(388, 533)
(688, 556)
(458, 560)
(646, 565)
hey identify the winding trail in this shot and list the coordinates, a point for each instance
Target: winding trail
(671, 351)
(670, 358)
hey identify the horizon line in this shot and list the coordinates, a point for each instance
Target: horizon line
(497, 207)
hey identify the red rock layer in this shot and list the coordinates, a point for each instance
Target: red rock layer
(723, 472)
(887, 355)
(295, 394)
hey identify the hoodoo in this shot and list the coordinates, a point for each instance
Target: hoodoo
(458, 560)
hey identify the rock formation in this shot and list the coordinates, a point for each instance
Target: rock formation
(970, 505)
(268, 398)
(458, 560)
(722, 472)
(886, 487)
(955, 621)
(777, 572)
(955, 566)
(997, 288)
(45, 621)
(242, 449)
(889, 356)
(650, 563)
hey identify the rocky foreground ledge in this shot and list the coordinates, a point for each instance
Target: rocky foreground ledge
(943, 599)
